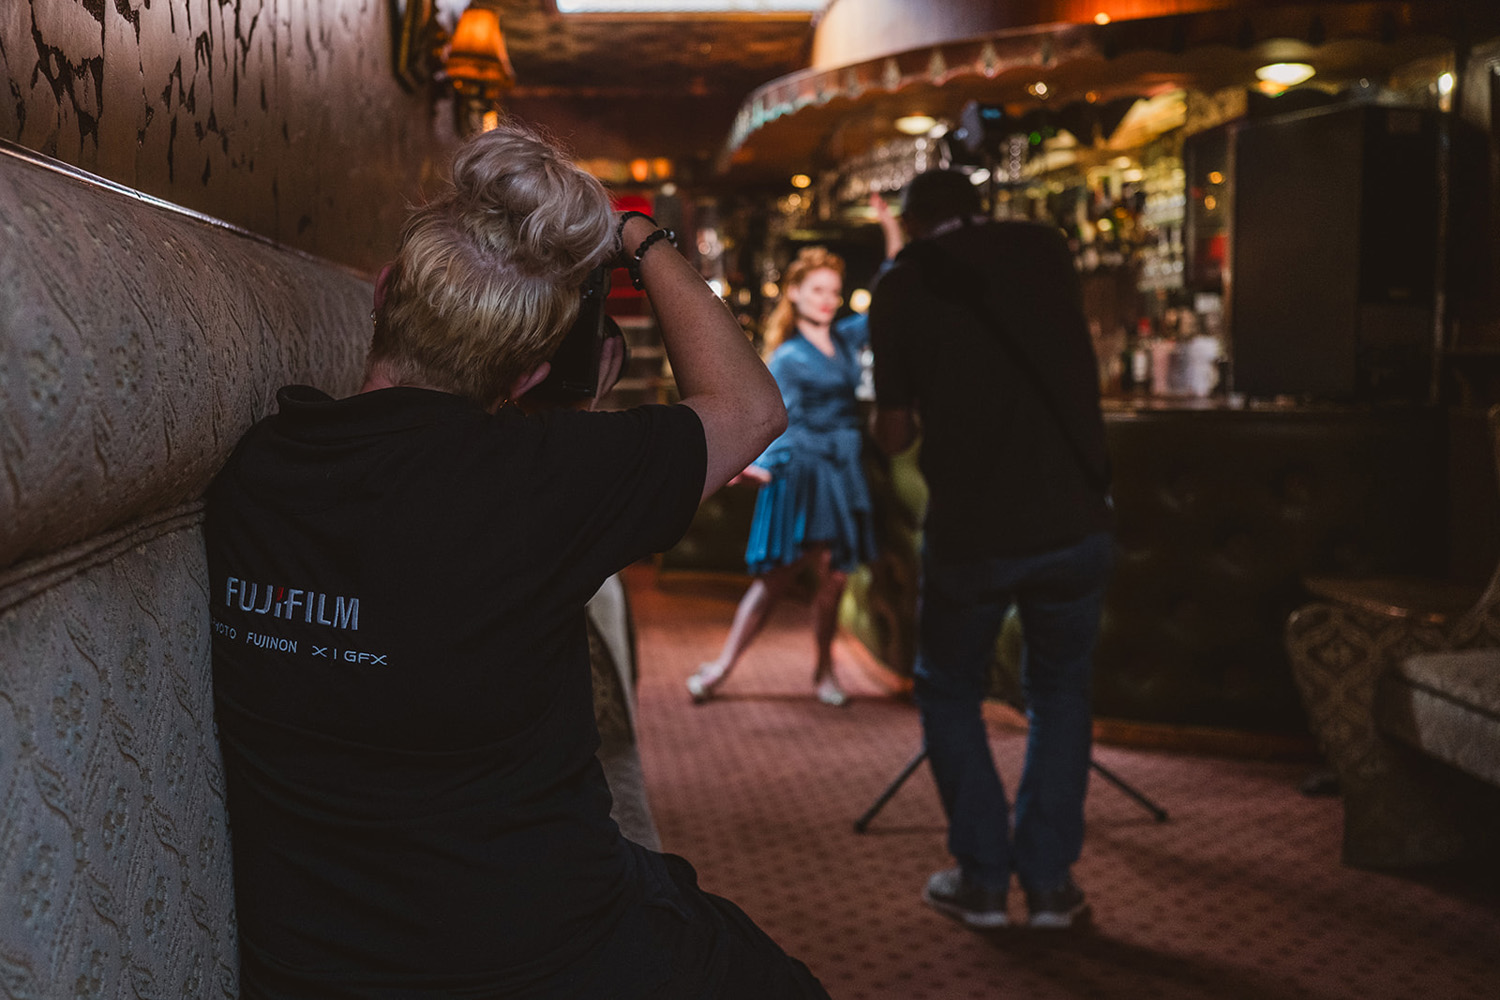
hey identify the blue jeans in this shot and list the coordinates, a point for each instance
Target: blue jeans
(1058, 596)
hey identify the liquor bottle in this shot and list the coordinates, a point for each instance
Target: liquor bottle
(1140, 358)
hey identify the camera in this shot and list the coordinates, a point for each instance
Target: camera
(575, 365)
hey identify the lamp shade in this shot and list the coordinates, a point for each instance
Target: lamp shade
(476, 57)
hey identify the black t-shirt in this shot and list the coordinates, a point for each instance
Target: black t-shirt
(1004, 473)
(402, 683)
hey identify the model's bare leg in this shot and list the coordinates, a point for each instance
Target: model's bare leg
(749, 618)
(825, 626)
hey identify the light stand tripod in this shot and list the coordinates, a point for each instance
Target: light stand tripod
(861, 824)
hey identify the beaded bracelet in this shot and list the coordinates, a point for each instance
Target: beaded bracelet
(634, 265)
(620, 229)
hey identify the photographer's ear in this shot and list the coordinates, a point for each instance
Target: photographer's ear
(525, 383)
(382, 282)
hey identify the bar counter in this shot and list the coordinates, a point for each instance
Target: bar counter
(1221, 510)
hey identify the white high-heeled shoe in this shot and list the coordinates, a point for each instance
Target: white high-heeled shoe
(829, 692)
(700, 687)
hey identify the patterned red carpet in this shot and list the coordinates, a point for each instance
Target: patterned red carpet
(1238, 895)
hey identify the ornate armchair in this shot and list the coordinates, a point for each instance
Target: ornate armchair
(1358, 653)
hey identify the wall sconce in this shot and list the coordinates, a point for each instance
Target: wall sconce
(471, 62)
(476, 65)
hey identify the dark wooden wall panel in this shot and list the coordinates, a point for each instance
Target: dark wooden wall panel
(280, 116)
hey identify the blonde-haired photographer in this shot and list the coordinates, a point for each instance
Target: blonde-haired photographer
(417, 804)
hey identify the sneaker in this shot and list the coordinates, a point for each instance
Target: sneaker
(1056, 908)
(952, 895)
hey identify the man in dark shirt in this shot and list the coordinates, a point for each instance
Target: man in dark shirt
(981, 343)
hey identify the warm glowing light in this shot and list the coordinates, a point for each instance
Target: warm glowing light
(1105, 225)
(1215, 177)
(661, 167)
(915, 124)
(475, 56)
(859, 299)
(769, 290)
(490, 121)
(979, 176)
(640, 170)
(717, 284)
(1285, 74)
(1092, 97)
(1210, 203)
(1038, 89)
(801, 181)
(1101, 18)
(1445, 84)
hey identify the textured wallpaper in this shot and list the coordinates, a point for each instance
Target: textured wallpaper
(281, 116)
(114, 849)
(137, 344)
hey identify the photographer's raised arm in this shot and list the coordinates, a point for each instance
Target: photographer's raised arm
(718, 373)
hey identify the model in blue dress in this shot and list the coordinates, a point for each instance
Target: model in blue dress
(813, 509)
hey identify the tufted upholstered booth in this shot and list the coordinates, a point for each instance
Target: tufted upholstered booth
(137, 343)
(1401, 679)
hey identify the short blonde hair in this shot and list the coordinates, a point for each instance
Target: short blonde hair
(489, 273)
(779, 324)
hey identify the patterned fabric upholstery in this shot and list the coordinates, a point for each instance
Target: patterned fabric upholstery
(113, 843)
(612, 657)
(1447, 703)
(137, 343)
(1392, 813)
(1374, 661)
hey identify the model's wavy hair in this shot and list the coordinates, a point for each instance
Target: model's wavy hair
(489, 273)
(784, 317)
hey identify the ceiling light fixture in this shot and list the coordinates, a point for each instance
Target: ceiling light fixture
(1285, 74)
(915, 124)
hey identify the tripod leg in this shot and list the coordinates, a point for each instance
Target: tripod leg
(1114, 779)
(864, 821)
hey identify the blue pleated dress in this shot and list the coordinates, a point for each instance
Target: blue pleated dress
(817, 492)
